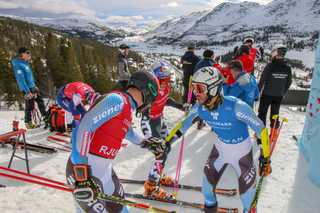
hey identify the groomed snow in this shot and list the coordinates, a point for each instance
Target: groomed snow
(287, 190)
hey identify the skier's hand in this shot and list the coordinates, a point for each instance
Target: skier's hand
(28, 96)
(86, 191)
(155, 145)
(186, 107)
(264, 166)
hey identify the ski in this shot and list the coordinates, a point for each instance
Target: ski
(58, 148)
(35, 148)
(179, 203)
(62, 134)
(56, 142)
(52, 137)
(225, 192)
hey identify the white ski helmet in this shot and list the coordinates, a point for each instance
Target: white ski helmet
(161, 69)
(248, 39)
(211, 78)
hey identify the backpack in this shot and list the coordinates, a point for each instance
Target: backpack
(56, 119)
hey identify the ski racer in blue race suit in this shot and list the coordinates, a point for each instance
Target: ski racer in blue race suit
(229, 118)
(245, 87)
(97, 140)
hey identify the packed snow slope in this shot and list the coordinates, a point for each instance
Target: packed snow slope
(287, 190)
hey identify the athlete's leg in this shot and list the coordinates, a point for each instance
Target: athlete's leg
(103, 174)
(213, 171)
(246, 172)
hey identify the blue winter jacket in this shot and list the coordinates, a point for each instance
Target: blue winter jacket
(245, 88)
(23, 74)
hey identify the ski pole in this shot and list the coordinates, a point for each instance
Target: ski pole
(284, 120)
(274, 118)
(64, 187)
(179, 165)
(254, 203)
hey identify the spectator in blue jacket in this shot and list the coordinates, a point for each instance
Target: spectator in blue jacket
(245, 86)
(26, 84)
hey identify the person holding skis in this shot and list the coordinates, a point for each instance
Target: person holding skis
(97, 140)
(188, 61)
(245, 86)
(274, 84)
(229, 118)
(153, 125)
(26, 83)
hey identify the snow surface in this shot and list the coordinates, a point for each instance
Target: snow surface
(287, 190)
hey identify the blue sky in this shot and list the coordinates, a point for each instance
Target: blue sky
(135, 11)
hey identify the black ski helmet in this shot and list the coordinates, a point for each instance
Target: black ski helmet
(147, 83)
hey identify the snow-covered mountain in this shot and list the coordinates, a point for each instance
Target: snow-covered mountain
(290, 20)
(85, 28)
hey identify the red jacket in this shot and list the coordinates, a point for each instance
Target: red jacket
(247, 62)
(253, 53)
(226, 73)
(158, 105)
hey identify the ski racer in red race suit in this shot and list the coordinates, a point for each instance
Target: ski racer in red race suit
(153, 124)
(97, 140)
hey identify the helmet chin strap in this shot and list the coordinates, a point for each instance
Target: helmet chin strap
(213, 102)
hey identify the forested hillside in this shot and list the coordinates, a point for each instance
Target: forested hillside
(56, 59)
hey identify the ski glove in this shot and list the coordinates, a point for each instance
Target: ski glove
(28, 96)
(86, 189)
(156, 145)
(264, 166)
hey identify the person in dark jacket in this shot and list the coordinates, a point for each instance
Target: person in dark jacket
(207, 61)
(26, 84)
(274, 84)
(122, 67)
(188, 61)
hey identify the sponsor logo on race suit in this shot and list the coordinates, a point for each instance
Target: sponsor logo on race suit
(250, 175)
(109, 152)
(107, 112)
(233, 140)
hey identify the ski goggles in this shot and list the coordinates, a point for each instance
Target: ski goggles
(199, 88)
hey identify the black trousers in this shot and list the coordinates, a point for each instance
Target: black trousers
(265, 102)
(30, 106)
(186, 90)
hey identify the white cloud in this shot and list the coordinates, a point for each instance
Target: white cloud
(79, 7)
(170, 4)
(8, 5)
(124, 19)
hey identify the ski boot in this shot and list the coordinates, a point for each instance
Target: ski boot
(211, 209)
(166, 181)
(152, 189)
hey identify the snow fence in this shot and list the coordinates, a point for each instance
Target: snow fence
(309, 142)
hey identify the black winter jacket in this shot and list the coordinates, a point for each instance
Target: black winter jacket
(189, 61)
(276, 79)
